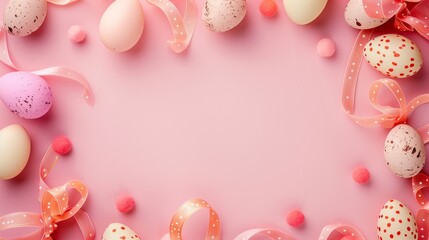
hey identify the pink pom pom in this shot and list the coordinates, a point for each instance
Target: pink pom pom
(348, 237)
(62, 145)
(295, 218)
(268, 8)
(361, 175)
(125, 203)
(325, 47)
(76, 34)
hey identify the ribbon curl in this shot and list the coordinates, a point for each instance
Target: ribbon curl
(54, 207)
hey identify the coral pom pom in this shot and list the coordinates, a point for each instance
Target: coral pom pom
(326, 48)
(268, 8)
(295, 218)
(361, 175)
(125, 203)
(62, 145)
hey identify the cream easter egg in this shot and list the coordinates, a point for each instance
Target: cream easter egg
(15, 149)
(396, 221)
(223, 15)
(393, 55)
(404, 151)
(121, 25)
(118, 231)
(22, 17)
(357, 17)
(304, 11)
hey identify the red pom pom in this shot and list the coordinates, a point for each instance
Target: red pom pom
(295, 218)
(125, 203)
(348, 237)
(361, 175)
(268, 8)
(62, 145)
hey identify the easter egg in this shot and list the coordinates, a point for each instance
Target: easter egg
(396, 221)
(304, 11)
(404, 151)
(223, 15)
(25, 94)
(121, 25)
(15, 149)
(357, 17)
(393, 55)
(22, 17)
(118, 231)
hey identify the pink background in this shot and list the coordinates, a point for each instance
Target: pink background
(250, 120)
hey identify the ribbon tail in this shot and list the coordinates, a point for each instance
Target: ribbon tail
(85, 224)
(422, 219)
(62, 2)
(23, 220)
(273, 234)
(337, 231)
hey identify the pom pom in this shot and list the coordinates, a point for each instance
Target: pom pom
(76, 34)
(268, 8)
(326, 48)
(295, 218)
(125, 203)
(62, 145)
(348, 237)
(361, 175)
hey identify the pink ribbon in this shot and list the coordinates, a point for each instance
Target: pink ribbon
(420, 182)
(52, 71)
(183, 28)
(405, 20)
(54, 207)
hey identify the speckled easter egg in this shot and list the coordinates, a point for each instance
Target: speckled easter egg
(304, 11)
(25, 94)
(223, 15)
(118, 231)
(394, 55)
(404, 151)
(396, 221)
(22, 17)
(357, 17)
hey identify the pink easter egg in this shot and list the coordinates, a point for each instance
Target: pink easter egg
(25, 94)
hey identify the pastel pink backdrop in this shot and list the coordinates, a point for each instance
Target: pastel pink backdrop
(250, 120)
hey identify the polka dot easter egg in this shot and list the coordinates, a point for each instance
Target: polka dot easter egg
(396, 221)
(23, 17)
(404, 151)
(118, 231)
(223, 15)
(393, 55)
(357, 17)
(25, 94)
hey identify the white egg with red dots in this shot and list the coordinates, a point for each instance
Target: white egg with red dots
(223, 15)
(393, 55)
(23, 17)
(356, 16)
(396, 221)
(119, 231)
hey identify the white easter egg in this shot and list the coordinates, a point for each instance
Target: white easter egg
(304, 11)
(121, 25)
(357, 17)
(393, 55)
(22, 17)
(396, 221)
(118, 231)
(15, 149)
(223, 15)
(404, 151)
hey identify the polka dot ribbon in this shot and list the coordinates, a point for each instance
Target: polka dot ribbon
(183, 28)
(187, 209)
(52, 71)
(54, 207)
(421, 182)
(405, 19)
(61, 2)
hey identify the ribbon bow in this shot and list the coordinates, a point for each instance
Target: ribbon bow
(405, 19)
(54, 207)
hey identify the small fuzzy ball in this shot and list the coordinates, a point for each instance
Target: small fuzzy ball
(125, 203)
(361, 175)
(295, 218)
(268, 8)
(348, 237)
(62, 145)
(325, 48)
(76, 34)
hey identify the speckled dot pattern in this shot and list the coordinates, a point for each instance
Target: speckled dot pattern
(223, 15)
(23, 17)
(118, 231)
(404, 151)
(356, 16)
(25, 94)
(396, 221)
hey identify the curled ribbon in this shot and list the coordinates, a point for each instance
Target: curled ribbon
(52, 71)
(405, 20)
(54, 207)
(183, 28)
